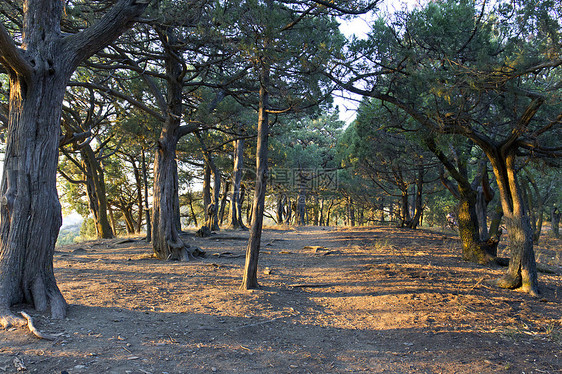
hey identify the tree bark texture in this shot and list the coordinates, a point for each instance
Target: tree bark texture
(522, 269)
(166, 242)
(30, 212)
(250, 279)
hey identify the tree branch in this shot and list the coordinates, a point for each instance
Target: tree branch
(10, 55)
(116, 21)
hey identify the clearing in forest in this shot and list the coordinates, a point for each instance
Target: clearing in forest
(373, 300)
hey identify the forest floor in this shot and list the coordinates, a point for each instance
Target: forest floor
(376, 300)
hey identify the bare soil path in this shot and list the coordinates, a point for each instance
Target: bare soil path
(375, 300)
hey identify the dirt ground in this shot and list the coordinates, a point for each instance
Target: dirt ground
(376, 300)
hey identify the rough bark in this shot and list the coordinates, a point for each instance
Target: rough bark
(522, 269)
(166, 242)
(30, 212)
(250, 280)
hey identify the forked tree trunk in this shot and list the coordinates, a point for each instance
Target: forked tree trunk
(250, 280)
(166, 242)
(30, 212)
(522, 269)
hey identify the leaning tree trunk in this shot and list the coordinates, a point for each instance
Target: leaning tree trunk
(522, 269)
(250, 280)
(30, 212)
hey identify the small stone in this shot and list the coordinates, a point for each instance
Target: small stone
(78, 367)
(213, 369)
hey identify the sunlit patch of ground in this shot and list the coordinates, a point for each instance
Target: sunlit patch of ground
(376, 299)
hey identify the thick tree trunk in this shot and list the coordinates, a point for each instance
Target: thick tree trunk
(166, 242)
(473, 249)
(250, 280)
(30, 213)
(522, 269)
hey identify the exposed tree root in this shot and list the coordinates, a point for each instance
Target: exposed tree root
(8, 320)
(36, 332)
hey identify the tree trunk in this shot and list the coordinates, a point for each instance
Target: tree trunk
(473, 249)
(223, 201)
(237, 198)
(280, 211)
(206, 192)
(522, 269)
(413, 224)
(166, 242)
(146, 206)
(301, 209)
(138, 182)
(405, 209)
(555, 221)
(95, 188)
(250, 280)
(30, 212)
